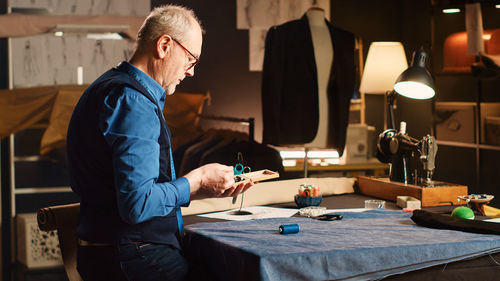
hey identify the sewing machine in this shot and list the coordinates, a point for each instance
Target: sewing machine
(404, 152)
(412, 164)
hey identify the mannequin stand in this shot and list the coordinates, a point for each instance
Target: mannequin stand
(306, 150)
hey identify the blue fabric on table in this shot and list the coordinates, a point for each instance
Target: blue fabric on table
(362, 246)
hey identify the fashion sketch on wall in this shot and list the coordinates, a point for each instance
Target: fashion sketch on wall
(259, 15)
(46, 59)
(86, 7)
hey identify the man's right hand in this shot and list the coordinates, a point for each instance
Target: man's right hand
(214, 180)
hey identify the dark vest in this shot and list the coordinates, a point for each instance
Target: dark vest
(99, 219)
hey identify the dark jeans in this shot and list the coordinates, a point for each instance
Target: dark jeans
(131, 262)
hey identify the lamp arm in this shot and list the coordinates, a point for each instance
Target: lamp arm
(390, 97)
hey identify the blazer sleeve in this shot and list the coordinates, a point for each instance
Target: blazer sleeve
(272, 83)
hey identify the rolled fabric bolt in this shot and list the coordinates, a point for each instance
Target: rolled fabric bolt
(289, 228)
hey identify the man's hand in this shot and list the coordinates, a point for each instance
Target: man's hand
(214, 180)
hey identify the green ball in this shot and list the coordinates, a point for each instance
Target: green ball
(463, 213)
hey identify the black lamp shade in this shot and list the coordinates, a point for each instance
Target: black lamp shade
(416, 82)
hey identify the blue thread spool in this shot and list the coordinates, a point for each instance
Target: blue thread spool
(289, 228)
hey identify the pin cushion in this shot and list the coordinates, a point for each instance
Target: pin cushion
(302, 201)
(308, 195)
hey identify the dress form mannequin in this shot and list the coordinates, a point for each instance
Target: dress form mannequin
(286, 89)
(323, 54)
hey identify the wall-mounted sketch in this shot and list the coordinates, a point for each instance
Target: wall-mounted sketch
(50, 60)
(53, 71)
(259, 15)
(87, 7)
(99, 55)
(79, 52)
(257, 47)
(31, 67)
(29, 3)
(119, 7)
(28, 64)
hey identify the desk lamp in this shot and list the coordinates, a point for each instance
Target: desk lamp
(384, 63)
(414, 83)
(397, 147)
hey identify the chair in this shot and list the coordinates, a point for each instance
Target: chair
(64, 219)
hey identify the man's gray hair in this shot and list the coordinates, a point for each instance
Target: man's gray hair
(173, 20)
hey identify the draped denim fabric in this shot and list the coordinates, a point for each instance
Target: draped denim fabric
(362, 246)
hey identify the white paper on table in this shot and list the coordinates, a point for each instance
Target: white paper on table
(353, 210)
(258, 212)
(493, 220)
(262, 212)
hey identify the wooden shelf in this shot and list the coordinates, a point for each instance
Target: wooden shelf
(468, 145)
(454, 74)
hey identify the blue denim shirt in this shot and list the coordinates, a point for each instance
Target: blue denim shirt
(116, 166)
(131, 127)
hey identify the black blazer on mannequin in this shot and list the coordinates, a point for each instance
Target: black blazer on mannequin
(290, 85)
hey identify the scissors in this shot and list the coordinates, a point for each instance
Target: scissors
(239, 169)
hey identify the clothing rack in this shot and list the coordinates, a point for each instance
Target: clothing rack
(250, 122)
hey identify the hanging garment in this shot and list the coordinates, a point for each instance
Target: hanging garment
(290, 86)
(192, 155)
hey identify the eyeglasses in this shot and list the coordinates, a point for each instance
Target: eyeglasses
(196, 60)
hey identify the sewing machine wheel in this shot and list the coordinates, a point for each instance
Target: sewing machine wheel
(384, 145)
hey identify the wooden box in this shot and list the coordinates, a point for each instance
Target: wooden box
(443, 194)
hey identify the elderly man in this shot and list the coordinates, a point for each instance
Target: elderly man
(121, 162)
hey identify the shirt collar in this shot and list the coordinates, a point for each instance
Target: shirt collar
(155, 89)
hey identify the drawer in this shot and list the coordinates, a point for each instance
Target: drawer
(490, 112)
(492, 130)
(455, 121)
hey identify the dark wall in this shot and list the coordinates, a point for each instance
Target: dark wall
(404, 21)
(235, 90)
(223, 69)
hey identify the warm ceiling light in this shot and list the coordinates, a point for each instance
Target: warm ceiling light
(451, 11)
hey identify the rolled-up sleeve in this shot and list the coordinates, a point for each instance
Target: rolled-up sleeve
(131, 128)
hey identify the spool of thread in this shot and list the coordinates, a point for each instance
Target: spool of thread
(289, 228)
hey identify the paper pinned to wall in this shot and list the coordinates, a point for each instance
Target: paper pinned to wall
(259, 15)
(474, 27)
(46, 59)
